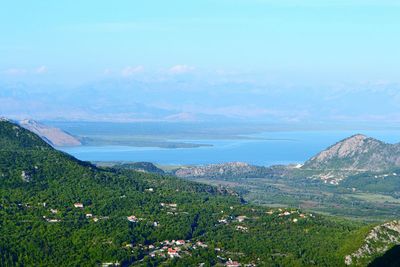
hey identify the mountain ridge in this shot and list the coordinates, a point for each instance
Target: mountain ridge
(53, 136)
(357, 152)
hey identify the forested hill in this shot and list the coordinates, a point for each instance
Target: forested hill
(14, 137)
(58, 211)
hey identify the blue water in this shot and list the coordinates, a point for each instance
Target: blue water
(274, 148)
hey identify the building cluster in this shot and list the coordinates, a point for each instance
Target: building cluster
(228, 219)
(294, 215)
(171, 249)
(77, 205)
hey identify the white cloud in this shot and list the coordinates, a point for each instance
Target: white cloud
(15, 71)
(180, 69)
(20, 71)
(41, 70)
(129, 71)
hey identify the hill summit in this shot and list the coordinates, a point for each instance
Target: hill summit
(357, 152)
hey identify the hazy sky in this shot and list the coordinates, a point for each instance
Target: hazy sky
(234, 51)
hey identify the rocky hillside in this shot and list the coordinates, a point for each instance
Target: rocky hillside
(379, 240)
(52, 135)
(357, 152)
(228, 170)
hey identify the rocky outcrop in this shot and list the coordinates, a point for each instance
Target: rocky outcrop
(380, 239)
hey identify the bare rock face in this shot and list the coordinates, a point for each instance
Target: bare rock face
(52, 135)
(357, 152)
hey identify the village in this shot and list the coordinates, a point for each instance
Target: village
(171, 249)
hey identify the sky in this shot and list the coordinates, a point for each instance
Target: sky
(258, 60)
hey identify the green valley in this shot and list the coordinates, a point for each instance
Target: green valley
(56, 210)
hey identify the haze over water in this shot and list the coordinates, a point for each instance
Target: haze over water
(273, 148)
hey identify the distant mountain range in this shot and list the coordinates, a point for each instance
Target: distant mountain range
(359, 153)
(53, 136)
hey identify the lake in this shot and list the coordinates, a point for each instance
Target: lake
(266, 149)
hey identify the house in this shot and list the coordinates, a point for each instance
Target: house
(241, 228)
(241, 218)
(89, 215)
(151, 246)
(53, 220)
(54, 211)
(150, 189)
(78, 205)
(132, 218)
(180, 242)
(231, 263)
(109, 264)
(201, 244)
(172, 253)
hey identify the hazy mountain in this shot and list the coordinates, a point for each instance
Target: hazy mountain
(357, 152)
(53, 136)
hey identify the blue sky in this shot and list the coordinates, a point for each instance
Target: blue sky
(207, 49)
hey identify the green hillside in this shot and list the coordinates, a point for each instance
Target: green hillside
(40, 226)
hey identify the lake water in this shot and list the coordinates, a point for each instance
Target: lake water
(273, 148)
